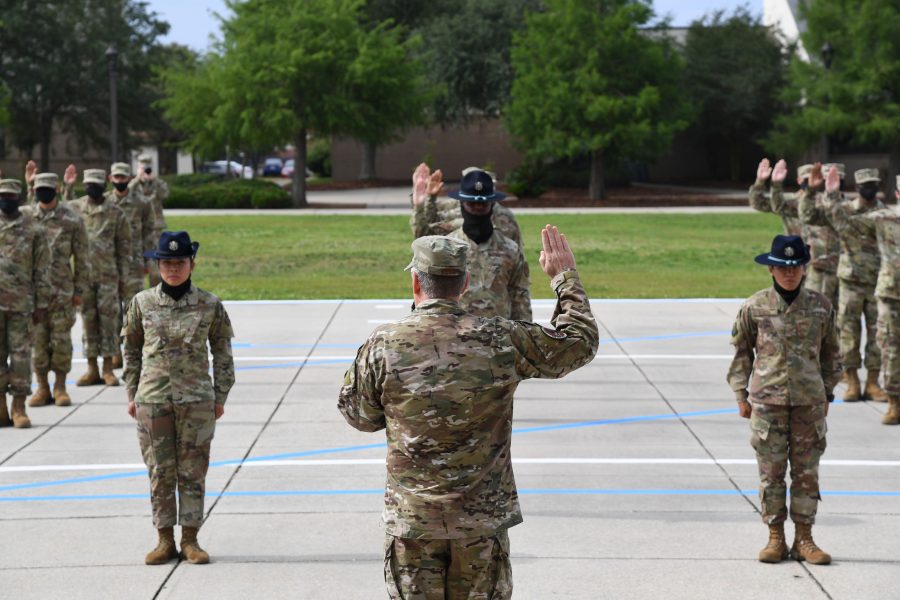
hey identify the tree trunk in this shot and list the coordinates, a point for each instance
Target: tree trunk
(368, 162)
(598, 176)
(298, 189)
(734, 161)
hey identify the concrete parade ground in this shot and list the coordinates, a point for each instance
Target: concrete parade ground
(636, 476)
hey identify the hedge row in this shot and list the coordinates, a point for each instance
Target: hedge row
(204, 190)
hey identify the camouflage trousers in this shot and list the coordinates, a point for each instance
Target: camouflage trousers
(854, 302)
(459, 569)
(782, 434)
(889, 342)
(16, 335)
(823, 282)
(53, 338)
(175, 441)
(100, 319)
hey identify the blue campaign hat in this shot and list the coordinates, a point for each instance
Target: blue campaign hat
(477, 186)
(787, 251)
(174, 244)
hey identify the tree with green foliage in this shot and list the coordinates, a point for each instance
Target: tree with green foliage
(590, 80)
(855, 99)
(734, 70)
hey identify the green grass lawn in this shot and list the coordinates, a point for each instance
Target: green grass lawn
(619, 256)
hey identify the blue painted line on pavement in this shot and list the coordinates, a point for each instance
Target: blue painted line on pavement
(580, 424)
(671, 336)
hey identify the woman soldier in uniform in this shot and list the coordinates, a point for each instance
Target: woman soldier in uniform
(170, 394)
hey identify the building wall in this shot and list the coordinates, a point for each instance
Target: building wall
(63, 151)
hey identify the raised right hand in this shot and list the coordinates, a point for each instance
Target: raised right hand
(420, 183)
(763, 170)
(30, 171)
(780, 172)
(556, 256)
(832, 180)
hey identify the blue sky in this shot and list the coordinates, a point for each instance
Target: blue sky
(193, 22)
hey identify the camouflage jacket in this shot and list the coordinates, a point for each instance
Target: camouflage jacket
(109, 236)
(141, 219)
(499, 282)
(885, 225)
(759, 201)
(24, 265)
(441, 382)
(860, 259)
(788, 354)
(68, 243)
(441, 216)
(824, 243)
(167, 346)
(156, 191)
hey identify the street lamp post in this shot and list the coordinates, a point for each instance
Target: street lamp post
(827, 52)
(112, 54)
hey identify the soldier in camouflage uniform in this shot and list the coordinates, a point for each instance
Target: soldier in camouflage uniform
(111, 266)
(169, 331)
(758, 199)
(155, 190)
(498, 273)
(786, 351)
(858, 273)
(24, 296)
(441, 216)
(68, 241)
(885, 225)
(441, 382)
(70, 176)
(824, 243)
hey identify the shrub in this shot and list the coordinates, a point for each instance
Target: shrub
(528, 180)
(204, 190)
(318, 157)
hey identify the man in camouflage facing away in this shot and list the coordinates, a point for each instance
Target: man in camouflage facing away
(858, 269)
(24, 296)
(69, 276)
(441, 383)
(155, 190)
(111, 261)
(786, 353)
(885, 225)
(759, 201)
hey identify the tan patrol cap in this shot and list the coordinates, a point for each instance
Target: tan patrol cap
(841, 169)
(145, 159)
(46, 180)
(438, 255)
(10, 186)
(866, 175)
(120, 169)
(803, 171)
(94, 176)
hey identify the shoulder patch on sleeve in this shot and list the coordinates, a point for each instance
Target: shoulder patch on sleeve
(552, 333)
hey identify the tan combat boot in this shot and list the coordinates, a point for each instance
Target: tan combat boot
(853, 392)
(805, 548)
(190, 549)
(109, 378)
(873, 391)
(4, 414)
(165, 549)
(41, 396)
(776, 550)
(117, 361)
(892, 416)
(92, 376)
(60, 395)
(19, 417)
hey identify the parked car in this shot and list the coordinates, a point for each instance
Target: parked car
(272, 167)
(288, 169)
(219, 167)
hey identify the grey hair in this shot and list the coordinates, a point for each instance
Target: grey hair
(441, 286)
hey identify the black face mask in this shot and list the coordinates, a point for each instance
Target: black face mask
(120, 185)
(804, 185)
(9, 206)
(94, 191)
(788, 295)
(176, 292)
(868, 192)
(148, 170)
(478, 228)
(45, 195)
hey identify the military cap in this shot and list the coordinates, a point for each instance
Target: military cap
(438, 255)
(120, 168)
(866, 175)
(94, 176)
(787, 251)
(145, 158)
(10, 186)
(46, 180)
(841, 169)
(803, 171)
(477, 186)
(174, 244)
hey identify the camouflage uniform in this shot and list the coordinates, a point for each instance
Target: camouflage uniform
(69, 276)
(441, 382)
(442, 216)
(111, 262)
(858, 272)
(788, 354)
(758, 201)
(167, 373)
(139, 214)
(24, 288)
(155, 190)
(824, 243)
